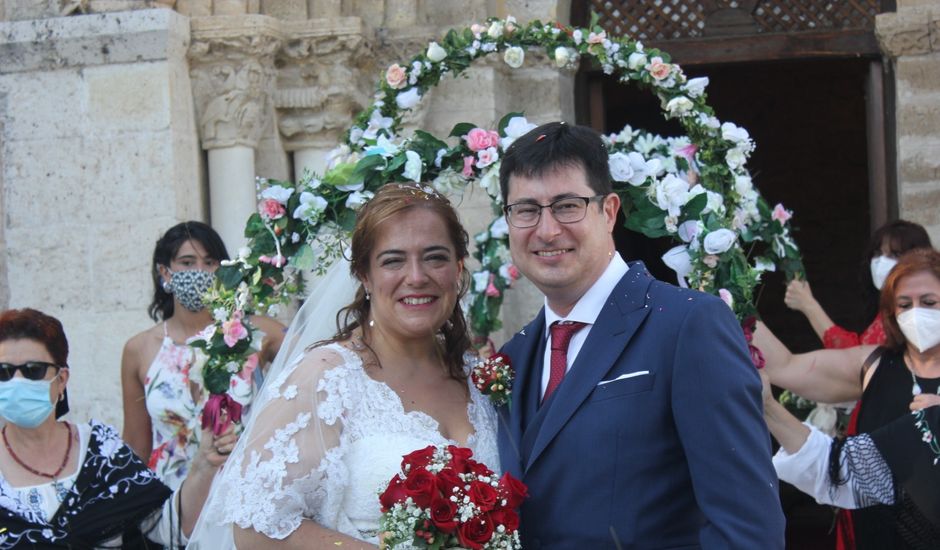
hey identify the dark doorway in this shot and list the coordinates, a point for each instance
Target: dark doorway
(808, 119)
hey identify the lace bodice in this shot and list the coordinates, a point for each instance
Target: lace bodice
(324, 444)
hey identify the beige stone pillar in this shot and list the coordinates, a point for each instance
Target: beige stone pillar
(324, 72)
(232, 68)
(910, 37)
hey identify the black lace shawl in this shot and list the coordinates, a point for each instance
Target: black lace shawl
(114, 491)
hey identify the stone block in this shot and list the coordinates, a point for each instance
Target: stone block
(921, 204)
(917, 74)
(285, 9)
(96, 340)
(49, 266)
(919, 160)
(43, 105)
(230, 7)
(87, 40)
(44, 179)
(905, 32)
(919, 117)
(19, 10)
(128, 97)
(194, 8)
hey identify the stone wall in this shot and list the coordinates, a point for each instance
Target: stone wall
(910, 37)
(99, 157)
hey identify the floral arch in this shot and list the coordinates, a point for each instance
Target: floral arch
(694, 188)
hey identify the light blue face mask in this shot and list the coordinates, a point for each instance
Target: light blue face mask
(25, 402)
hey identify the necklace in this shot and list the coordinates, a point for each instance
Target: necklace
(915, 389)
(54, 475)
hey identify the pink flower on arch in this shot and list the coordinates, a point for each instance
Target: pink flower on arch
(396, 77)
(687, 151)
(479, 139)
(468, 166)
(781, 214)
(658, 68)
(491, 289)
(597, 37)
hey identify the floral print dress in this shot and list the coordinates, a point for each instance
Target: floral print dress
(174, 414)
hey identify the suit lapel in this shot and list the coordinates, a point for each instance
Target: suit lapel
(526, 362)
(615, 326)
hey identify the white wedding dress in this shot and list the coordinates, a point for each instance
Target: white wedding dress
(325, 443)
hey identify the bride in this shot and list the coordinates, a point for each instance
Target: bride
(333, 419)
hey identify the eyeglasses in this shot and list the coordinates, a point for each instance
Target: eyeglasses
(32, 370)
(523, 215)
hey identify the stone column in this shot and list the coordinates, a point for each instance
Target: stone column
(910, 37)
(232, 68)
(320, 87)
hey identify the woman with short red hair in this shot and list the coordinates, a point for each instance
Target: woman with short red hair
(77, 486)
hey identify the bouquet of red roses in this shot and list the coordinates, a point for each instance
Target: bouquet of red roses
(442, 498)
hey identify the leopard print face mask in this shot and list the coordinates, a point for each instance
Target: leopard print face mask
(189, 286)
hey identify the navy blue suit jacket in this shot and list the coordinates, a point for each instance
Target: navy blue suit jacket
(678, 457)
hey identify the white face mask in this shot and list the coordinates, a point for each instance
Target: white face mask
(880, 267)
(921, 327)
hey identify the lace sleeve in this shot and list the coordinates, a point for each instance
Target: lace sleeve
(288, 459)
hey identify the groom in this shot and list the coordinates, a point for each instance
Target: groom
(636, 417)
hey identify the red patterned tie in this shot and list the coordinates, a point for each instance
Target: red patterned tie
(561, 336)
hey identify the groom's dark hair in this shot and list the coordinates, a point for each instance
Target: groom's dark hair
(554, 145)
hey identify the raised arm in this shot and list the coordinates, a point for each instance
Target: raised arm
(826, 376)
(137, 427)
(800, 297)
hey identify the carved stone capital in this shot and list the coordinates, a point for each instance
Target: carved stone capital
(233, 74)
(909, 31)
(325, 73)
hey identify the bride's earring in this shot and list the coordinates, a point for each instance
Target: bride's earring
(368, 295)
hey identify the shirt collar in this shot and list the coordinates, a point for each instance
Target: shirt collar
(589, 306)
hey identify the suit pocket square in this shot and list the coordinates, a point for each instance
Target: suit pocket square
(625, 384)
(624, 377)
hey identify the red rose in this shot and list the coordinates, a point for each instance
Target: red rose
(483, 495)
(479, 469)
(417, 459)
(507, 517)
(447, 479)
(459, 458)
(476, 532)
(420, 486)
(501, 357)
(442, 514)
(394, 493)
(513, 490)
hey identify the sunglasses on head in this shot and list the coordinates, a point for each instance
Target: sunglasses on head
(32, 370)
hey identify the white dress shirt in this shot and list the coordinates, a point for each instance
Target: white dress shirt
(585, 311)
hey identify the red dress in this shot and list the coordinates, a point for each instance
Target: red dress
(838, 338)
